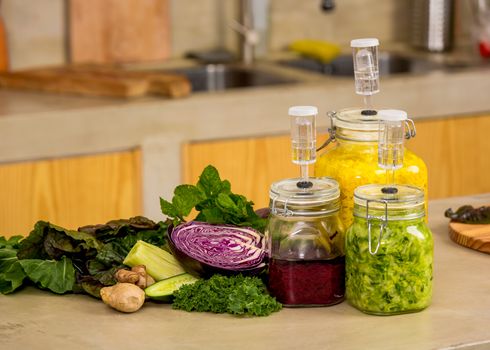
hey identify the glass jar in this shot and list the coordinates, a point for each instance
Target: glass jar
(305, 242)
(389, 251)
(353, 161)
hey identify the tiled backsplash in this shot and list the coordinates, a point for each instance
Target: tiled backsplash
(37, 35)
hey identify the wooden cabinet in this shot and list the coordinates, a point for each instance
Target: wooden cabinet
(69, 192)
(456, 150)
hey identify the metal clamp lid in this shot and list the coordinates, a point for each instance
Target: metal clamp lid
(411, 130)
(285, 211)
(331, 131)
(384, 223)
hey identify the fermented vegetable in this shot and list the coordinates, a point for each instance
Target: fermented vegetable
(354, 164)
(398, 278)
(204, 249)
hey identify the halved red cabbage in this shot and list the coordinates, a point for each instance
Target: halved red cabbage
(205, 248)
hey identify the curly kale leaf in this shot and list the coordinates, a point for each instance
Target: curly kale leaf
(237, 295)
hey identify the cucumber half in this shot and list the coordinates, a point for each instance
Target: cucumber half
(163, 290)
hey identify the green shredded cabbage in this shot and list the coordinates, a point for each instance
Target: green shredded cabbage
(398, 278)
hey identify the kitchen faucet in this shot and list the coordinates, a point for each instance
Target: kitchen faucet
(249, 34)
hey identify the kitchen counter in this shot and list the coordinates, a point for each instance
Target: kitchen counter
(39, 126)
(458, 317)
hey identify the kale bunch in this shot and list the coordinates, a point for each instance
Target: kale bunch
(237, 295)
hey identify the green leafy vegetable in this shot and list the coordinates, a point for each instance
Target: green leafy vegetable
(48, 241)
(89, 256)
(399, 277)
(12, 242)
(57, 276)
(237, 295)
(11, 273)
(213, 200)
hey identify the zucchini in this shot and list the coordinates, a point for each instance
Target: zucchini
(164, 289)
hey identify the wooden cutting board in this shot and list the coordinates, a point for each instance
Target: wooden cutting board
(111, 31)
(97, 81)
(472, 236)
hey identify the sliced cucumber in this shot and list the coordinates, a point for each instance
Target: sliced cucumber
(164, 289)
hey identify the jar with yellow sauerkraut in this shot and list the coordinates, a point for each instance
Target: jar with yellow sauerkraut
(353, 160)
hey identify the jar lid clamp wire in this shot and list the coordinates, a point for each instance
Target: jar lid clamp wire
(384, 223)
(331, 131)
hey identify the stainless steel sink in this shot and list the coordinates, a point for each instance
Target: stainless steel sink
(218, 77)
(388, 64)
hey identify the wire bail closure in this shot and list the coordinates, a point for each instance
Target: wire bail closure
(284, 211)
(382, 228)
(331, 131)
(411, 130)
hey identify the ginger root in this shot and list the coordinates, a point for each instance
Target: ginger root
(145, 279)
(126, 276)
(137, 275)
(124, 297)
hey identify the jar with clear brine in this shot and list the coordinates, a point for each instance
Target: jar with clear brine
(353, 160)
(389, 251)
(305, 242)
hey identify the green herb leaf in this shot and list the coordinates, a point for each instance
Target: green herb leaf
(168, 209)
(214, 201)
(12, 242)
(236, 295)
(8, 256)
(57, 276)
(11, 278)
(210, 182)
(48, 241)
(185, 198)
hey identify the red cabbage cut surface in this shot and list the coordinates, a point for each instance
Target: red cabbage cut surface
(221, 246)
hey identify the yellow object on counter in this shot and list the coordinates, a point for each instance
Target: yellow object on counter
(320, 50)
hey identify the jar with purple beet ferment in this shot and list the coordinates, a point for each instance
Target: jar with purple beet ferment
(305, 243)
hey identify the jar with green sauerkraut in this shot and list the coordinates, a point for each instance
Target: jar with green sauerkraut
(389, 251)
(353, 160)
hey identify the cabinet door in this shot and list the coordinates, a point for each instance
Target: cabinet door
(456, 150)
(250, 164)
(457, 153)
(69, 192)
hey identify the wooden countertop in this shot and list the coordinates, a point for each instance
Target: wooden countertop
(459, 316)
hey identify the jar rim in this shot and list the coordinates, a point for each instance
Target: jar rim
(354, 119)
(323, 190)
(389, 202)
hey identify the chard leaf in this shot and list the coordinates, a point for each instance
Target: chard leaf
(111, 253)
(8, 256)
(12, 242)
(57, 276)
(85, 240)
(11, 278)
(32, 246)
(48, 241)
